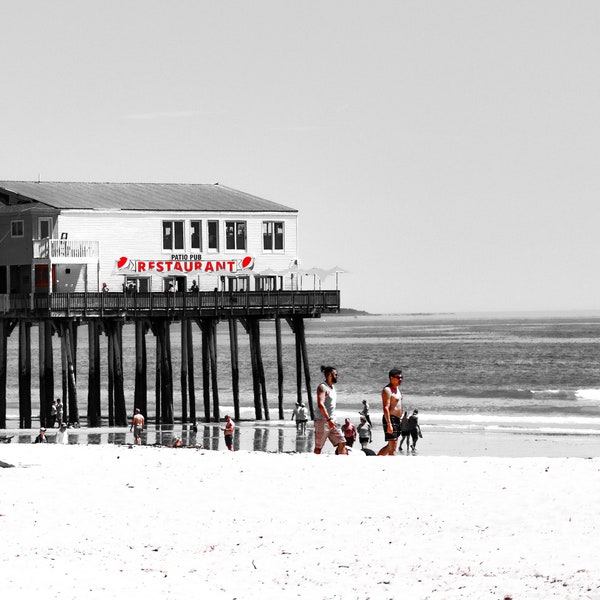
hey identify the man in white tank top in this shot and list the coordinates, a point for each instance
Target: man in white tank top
(326, 427)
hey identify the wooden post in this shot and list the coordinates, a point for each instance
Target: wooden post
(300, 325)
(45, 371)
(260, 367)
(184, 371)
(158, 377)
(204, 326)
(73, 410)
(190, 353)
(235, 369)
(24, 374)
(3, 364)
(64, 368)
(164, 334)
(298, 366)
(141, 359)
(111, 374)
(120, 408)
(279, 367)
(212, 348)
(94, 411)
(255, 375)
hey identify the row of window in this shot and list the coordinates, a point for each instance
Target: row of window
(173, 235)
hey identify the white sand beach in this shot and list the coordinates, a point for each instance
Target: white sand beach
(108, 521)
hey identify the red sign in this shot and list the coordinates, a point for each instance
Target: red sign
(185, 266)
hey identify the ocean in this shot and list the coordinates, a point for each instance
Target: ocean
(511, 372)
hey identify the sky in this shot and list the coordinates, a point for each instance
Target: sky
(445, 153)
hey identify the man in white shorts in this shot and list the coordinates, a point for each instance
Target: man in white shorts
(325, 426)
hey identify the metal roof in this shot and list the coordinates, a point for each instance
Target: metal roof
(141, 196)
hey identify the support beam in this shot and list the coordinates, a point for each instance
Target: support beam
(24, 374)
(94, 410)
(235, 368)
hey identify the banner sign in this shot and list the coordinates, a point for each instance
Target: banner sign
(185, 266)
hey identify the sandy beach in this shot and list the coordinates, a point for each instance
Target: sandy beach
(115, 521)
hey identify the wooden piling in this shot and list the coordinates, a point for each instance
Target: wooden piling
(111, 377)
(141, 360)
(255, 374)
(94, 410)
(69, 343)
(183, 380)
(3, 365)
(119, 381)
(166, 389)
(157, 378)
(279, 367)
(235, 368)
(46, 373)
(212, 348)
(24, 374)
(190, 357)
(204, 327)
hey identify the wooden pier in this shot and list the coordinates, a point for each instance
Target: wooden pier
(62, 314)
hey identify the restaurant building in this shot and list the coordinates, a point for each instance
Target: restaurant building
(76, 237)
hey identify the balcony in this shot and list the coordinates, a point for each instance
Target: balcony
(66, 251)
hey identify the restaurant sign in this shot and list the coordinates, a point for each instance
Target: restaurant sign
(185, 266)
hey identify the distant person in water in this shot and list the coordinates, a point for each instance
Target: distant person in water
(365, 412)
(391, 400)
(228, 432)
(137, 425)
(414, 429)
(301, 416)
(325, 426)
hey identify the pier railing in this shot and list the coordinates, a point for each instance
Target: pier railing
(191, 304)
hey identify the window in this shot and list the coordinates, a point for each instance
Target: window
(173, 235)
(235, 235)
(273, 236)
(196, 235)
(44, 227)
(213, 235)
(16, 229)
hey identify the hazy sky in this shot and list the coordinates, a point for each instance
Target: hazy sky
(446, 153)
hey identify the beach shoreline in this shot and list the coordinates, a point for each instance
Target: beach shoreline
(281, 437)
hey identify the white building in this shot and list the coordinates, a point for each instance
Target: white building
(74, 237)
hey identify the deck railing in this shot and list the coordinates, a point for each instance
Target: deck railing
(52, 249)
(306, 303)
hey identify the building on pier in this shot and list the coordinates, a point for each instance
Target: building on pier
(108, 254)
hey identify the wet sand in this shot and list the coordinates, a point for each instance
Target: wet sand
(279, 436)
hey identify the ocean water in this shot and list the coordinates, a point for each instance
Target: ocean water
(493, 372)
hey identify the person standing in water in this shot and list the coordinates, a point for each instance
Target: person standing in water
(325, 426)
(137, 425)
(228, 432)
(391, 399)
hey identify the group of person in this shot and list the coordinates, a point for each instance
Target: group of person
(397, 425)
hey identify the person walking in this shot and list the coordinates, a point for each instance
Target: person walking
(365, 412)
(414, 430)
(301, 416)
(391, 400)
(137, 425)
(325, 426)
(228, 432)
(404, 431)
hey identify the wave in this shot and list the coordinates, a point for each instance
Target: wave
(588, 394)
